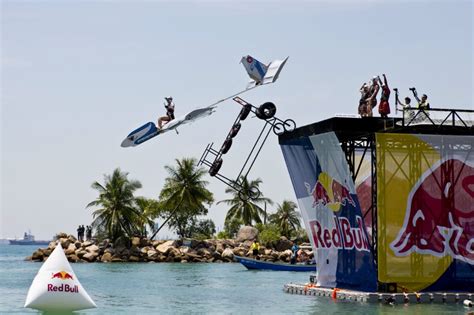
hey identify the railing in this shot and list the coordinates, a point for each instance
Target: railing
(438, 117)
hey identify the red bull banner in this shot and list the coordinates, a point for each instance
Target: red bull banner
(331, 212)
(425, 211)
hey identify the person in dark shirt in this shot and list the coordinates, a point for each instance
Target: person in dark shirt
(169, 105)
(384, 106)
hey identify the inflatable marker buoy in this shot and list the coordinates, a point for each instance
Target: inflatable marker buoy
(467, 303)
(56, 288)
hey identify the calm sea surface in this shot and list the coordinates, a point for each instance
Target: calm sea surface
(164, 288)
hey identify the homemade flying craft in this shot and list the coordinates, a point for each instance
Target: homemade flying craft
(259, 73)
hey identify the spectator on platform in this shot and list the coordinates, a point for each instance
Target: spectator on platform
(384, 107)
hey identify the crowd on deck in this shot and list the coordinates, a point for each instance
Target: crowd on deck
(370, 90)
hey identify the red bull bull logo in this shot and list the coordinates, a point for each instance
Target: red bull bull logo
(63, 275)
(341, 236)
(439, 218)
(330, 193)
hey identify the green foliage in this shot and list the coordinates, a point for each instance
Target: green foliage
(232, 227)
(269, 234)
(287, 219)
(223, 235)
(301, 235)
(247, 210)
(184, 196)
(204, 229)
(118, 215)
(150, 209)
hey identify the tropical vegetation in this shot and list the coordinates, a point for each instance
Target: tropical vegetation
(183, 201)
(286, 218)
(118, 214)
(184, 196)
(244, 208)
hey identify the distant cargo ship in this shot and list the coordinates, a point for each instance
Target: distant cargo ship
(28, 239)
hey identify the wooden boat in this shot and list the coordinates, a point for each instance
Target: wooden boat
(251, 263)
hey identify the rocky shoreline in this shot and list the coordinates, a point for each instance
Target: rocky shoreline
(145, 250)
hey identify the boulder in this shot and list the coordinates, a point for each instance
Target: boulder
(144, 250)
(239, 251)
(184, 261)
(116, 259)
(135, 241)
(93, 249)
(80, 252)
(283, 244)
(109, 250)
(73, 258)
(77, 244)
(220, 248)
(165, 247)
(247, 233)
(204, 252)
(134, 258)
(64, 242)
(61, 235)
(135, 251)
(71, 238)
(52, 245)
(144, 242)
(37, 255)
(86, 244)
(106, 257)
(46, 252)
(90, 257)
(71, 249)
(227, 253)
(152, 254)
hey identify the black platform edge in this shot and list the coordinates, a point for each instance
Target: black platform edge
(348, 128)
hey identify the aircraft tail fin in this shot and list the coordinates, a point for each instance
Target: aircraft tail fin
(273, 71)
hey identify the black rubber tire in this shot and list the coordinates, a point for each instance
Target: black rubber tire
(278, 128)
(245, 111)
(235, 130)
(289, 125)
(266, 110)
(226, 146)
(215, 167)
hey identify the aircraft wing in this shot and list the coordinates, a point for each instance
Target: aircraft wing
(274, 69)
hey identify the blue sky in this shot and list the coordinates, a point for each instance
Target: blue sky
(78, 76)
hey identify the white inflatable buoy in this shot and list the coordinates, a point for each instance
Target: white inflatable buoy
(56, 287)
(467, 303)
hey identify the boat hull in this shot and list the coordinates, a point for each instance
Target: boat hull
(254, 264)
(22, 242)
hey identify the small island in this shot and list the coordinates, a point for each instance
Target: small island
(182, 251)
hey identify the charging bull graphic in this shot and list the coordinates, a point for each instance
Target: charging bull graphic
(439, 218)
(329, 192)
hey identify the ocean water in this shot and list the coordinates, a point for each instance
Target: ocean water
(167, 288)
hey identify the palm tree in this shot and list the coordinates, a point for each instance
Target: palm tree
(184, 195)
(117, 215)
(149, 208)
(246, 209)
(286, 218)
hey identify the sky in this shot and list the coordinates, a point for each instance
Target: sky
(78, 76)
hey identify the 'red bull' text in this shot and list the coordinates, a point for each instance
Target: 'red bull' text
(63, 288)
(341, 236)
